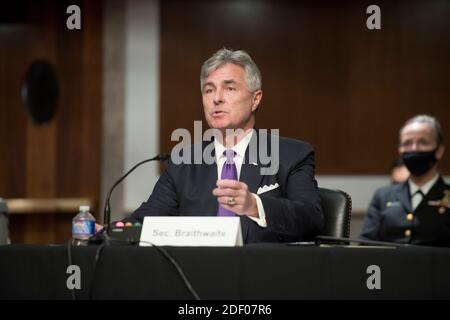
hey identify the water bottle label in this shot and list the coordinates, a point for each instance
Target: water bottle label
(84, 228)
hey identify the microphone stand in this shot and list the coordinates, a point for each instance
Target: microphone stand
(107, 208)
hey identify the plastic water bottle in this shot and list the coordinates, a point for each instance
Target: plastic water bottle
(83, 227)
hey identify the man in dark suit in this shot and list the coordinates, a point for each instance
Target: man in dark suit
(418, 210)
(278, 205)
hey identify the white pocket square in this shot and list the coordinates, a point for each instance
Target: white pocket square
(266, 188)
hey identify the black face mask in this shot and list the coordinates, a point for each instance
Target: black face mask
(419, 162)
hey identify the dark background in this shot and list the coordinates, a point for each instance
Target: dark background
(327, 79)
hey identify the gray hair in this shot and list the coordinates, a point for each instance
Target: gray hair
(431, 121)
(240, 58)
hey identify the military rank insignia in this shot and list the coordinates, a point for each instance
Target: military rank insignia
(442, 204)
(392, 204)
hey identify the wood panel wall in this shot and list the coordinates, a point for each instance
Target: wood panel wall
(62, 158)
(327, 79)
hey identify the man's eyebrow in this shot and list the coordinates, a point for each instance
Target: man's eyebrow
(229, 81)
(208, 84)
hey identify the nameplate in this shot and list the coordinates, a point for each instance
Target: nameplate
(192, 231)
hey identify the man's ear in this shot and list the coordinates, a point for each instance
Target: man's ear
(257, 96)
(440, 152)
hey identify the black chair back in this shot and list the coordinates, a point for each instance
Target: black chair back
(337, 209)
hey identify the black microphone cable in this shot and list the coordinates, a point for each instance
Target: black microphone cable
(94, 268)
(96, 259)
(162, 251)
(177, 267)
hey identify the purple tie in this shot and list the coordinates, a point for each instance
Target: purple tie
(228, 172)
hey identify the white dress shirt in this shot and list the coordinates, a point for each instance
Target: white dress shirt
(239, 150)
(416, 198)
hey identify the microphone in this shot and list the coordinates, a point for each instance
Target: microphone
(107, 208)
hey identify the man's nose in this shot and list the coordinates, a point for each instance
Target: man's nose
(218, 97)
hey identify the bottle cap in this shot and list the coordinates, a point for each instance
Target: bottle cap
(84, 208)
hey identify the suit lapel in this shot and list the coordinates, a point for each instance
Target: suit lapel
(209, 178)
(250, 170)
(251, 175)
(403, 196)
(435, 193)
